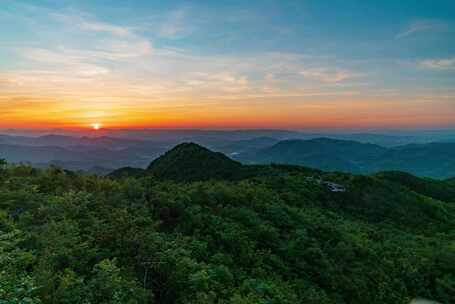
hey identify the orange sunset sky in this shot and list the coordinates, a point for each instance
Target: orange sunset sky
(71, 64)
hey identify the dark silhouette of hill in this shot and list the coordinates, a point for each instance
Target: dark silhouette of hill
(191, 162)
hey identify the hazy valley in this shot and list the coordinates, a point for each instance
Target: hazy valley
(356, 153)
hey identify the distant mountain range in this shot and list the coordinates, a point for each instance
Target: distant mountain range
(322, 153)
(432, 160)
(381, 137)
(95, 154)
(102, 154)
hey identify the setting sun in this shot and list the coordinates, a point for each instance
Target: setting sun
(96, 126)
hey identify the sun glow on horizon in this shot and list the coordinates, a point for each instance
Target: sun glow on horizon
(95, 70)
(96, 126)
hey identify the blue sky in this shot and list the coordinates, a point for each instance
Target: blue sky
(228, 63)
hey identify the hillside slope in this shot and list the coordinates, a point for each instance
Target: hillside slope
(437, 189)
(277, 236)
(192, 162)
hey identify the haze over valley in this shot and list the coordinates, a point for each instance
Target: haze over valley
(429, 153)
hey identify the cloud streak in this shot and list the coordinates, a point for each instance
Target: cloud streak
(422, 25)
(327, 75)
(106, 28)
(438, 64)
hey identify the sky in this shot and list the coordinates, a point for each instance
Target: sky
(227, 64)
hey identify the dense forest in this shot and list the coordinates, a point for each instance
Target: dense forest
(245, 234)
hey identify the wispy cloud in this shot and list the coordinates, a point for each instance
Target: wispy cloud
(68, 61)
(222, 82)
(438, 64)
(118, 43)
(100, 40)
(118, 64)
(105, 27)
(422, 25)
(327, 75)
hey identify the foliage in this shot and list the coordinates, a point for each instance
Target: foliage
(16, 285)
(127, 172)
(437, 189)
(276, 236)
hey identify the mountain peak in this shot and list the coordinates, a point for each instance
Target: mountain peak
(192, 162)
(189, 146)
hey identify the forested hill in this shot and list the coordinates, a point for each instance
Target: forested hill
(276, 234)
(192, 162)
